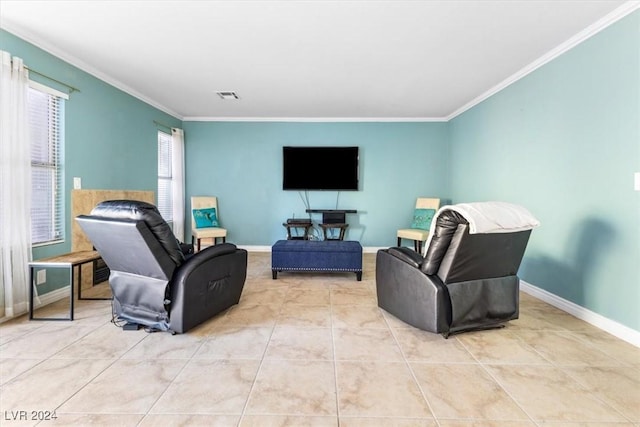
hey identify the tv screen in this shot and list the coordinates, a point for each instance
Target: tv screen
(320, 168)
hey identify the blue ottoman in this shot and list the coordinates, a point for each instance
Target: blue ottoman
(316, 255)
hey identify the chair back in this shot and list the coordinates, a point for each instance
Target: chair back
(427, 203)
(142, 253)
(456, 256)
(482, 256)
(132, 237)
(143, 211)
(203, 202)
(128, 246)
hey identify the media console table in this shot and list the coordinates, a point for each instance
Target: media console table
(332, 219)
(295, 224)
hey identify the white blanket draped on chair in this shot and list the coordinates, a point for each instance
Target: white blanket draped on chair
(489, 217)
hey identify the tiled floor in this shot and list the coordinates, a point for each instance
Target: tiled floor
(315, 350)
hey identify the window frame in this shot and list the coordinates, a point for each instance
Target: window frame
(55, 167)
(165, 211)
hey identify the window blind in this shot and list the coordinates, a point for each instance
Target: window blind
(165, 179)
(47, 207)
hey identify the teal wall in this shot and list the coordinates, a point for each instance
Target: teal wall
(110, 138)
(241, 164)
(565, 142)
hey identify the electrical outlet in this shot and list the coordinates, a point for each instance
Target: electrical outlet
(41, 277)
(77, 183)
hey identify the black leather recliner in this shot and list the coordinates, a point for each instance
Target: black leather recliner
(465, 281)
(152, 282)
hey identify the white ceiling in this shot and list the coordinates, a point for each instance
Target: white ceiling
(369, 60)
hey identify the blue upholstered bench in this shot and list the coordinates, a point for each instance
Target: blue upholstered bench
(316, 255)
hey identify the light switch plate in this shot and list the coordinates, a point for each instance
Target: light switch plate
(77, 183)
(41, 277)
(636, 181)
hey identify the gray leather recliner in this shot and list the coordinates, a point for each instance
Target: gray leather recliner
(465, 281)
(152, 282)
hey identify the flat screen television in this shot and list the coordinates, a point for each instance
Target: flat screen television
(320, 168)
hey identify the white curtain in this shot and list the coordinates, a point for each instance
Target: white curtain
(15, 186)
(177, 173)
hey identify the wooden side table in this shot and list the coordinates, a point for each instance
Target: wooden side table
(69, 261)
(332, 219)
(306, 225)
(342, 226)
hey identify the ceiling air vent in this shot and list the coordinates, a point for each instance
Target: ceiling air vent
(228, 95)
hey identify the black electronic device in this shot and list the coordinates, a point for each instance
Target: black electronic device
(130, 326)
(320, 168)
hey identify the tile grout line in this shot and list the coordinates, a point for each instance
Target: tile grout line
(562, 367)
(262, 359)
(187, 362)
(587, 389)
(408, 365)
(335, 362)
(502, 387)
(576, 335)
(49, 358)
(571, 369)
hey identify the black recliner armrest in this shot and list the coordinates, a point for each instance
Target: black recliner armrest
(407, 255)
(217, 250)
(199, 258)
(446, 226)
(207, 283)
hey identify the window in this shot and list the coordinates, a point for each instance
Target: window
(165, 178)
(47, 197)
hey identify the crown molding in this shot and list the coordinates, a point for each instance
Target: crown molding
(314, 119)
(619, 13)
(83, 66)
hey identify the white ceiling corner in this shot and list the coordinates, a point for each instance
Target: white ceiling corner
(311, 60)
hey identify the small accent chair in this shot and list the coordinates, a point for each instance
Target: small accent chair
(205, 220)
(416, 234)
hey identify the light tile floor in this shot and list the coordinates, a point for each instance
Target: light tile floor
(315, 350)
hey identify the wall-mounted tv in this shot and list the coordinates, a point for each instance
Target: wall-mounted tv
(320, 168)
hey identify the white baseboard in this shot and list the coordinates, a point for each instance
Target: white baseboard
(254, 248)
(45, 299)
(18, 310)
(373, 249)
(51, 297)
(599, 321)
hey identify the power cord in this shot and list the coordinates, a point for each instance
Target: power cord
(121, 323)
(114, 317)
